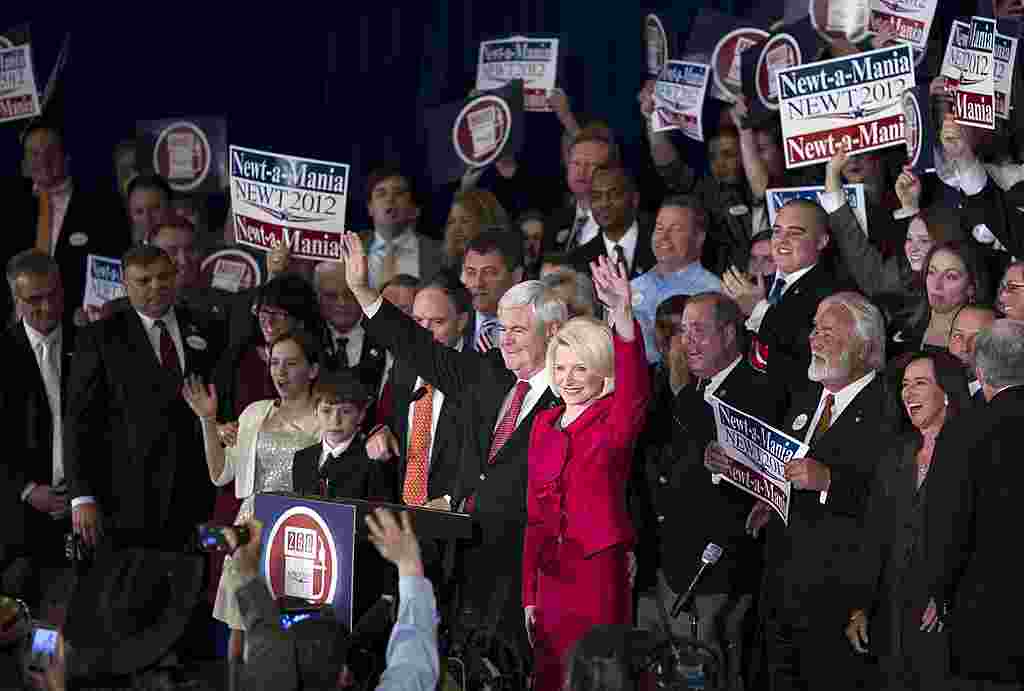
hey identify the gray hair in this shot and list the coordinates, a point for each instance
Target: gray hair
(999, 353)
(583, 288)
(868, 324)
(545, 304)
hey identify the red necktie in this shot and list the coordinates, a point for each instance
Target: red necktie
(414, 490)
(168, 353)
(508, 421)
(825, 421)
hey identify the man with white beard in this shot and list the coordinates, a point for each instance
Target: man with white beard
(809, 564)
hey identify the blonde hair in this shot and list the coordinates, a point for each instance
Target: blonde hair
(591, 341)
(485, 209)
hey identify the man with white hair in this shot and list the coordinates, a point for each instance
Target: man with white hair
(842, 417)
(974, 496)
(498, 397)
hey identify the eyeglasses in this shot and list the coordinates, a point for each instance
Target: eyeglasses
(1010, 287)
(265, 313)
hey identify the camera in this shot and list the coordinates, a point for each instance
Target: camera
(40, 647)
(211, 537)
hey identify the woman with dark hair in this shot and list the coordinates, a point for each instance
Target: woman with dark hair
(904, 633)
(953, 277)
(270, 431)
(609, 658)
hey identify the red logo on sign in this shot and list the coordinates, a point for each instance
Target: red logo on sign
(481, 130)
(182, 156)
(301, 560)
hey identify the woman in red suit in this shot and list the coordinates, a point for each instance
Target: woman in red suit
(578, 534)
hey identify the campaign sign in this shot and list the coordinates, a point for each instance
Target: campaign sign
(1005, 57)
(182, 156)
(286, 200)
(19, 97)
(656, 42)
(969, 68)
(534, 61)
(726, 61)
(481, 129)
(780, 52)
(777, 197)
(232, 269)
(835, 19)
(104, 281)
(679, 98)
(910, 20)
(854, 100)
(920, 134)
(308, 550)
(760, 454)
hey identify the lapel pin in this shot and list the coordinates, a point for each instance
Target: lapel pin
(800, 421)
(196, 342)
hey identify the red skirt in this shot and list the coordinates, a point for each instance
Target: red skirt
(573, 595)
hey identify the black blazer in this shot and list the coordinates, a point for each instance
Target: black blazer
(26, 411)
(781, 344)
(95, 223)
(690, 511)
(130, 440)
(643, 257)
(808, 564)
(369, 369)
(351, 476)
(974, 496)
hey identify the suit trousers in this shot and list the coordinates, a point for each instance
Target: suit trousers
(799, 658)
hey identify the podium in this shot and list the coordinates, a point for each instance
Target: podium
(309, 543)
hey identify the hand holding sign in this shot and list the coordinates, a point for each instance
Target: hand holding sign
(758, 518)
(716, 459)
(834, 169)
(809, 474)
(908, 189)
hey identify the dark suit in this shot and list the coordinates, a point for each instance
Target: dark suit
(807, 589)
(974, 497)
(369, 368)
(643, 256)
(690, 511)
(26, 411)
(479, 383)
(130, 440)
(781, 346)
(93, 224)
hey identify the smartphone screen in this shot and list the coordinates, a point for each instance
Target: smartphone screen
(44, 647)
(211, 538)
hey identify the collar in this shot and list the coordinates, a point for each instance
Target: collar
(170, 319)
(35, 339)
(61, 190)
(974, 387)
(845, 395)
(792, 278)
(354, 332)
(966, 176)
(404, 240)
(482, 318)
(657, 272)
(628, 240)
(539, 382)
(327, 450)
(582, 212)
(717, 379)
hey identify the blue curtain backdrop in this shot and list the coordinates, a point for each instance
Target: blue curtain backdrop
(349, 84)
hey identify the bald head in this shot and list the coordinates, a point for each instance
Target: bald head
(967, 324)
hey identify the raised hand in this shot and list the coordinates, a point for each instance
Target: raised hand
(357, 273)
(611, 283)
(396, 541)
(834, 169)
(747, 292)
(201, 398)
(908, 189)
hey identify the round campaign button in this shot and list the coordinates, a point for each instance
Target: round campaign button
(912, 127)
(301, 559)
(78, 239)
(482, 129)
(800, 422)
(196, 342)
(182, 156)
(725, 60)
(781, 51)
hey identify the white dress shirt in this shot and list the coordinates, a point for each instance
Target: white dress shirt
(60, 199)
(843, 398)
(437, 403)
(589, 230)
(327, 450)
(406, 246)
(757, 315)
(628, 244)
(47, 350)
(354, 347)
(170, 320)
(539, 383)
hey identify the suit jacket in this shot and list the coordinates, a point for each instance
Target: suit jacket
(808, 563)
(93, 224)
(974, 494)
(350, 476)
(577, 478)
(643, 257)
(449, 436)
(781, 345)
(26, 410)
(130, 440)
(689, 511)
(369, 369)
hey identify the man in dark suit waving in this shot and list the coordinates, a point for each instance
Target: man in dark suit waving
(498, 393)
(132, 447)
(842, 416)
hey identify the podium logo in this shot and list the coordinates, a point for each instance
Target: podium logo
(301, 559)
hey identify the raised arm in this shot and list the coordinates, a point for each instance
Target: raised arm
(753, 166)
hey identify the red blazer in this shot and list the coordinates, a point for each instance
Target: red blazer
(576, 488)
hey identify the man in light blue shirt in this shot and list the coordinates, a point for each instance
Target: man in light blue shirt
(678, 242)
(412, 658)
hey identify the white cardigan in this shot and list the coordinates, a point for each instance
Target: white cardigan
(240, 459)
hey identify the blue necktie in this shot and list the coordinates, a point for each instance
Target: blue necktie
(776, 294)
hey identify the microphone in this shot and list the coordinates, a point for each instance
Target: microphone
(712, 553)
(418, 394)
